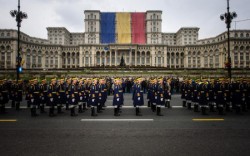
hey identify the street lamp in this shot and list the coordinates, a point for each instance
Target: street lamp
(19, 15)
(228, 17)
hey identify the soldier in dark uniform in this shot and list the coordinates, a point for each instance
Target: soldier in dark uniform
(160, 96)
(102, 93)
(3, 95)
(52, 97)
(81, 93)
(167, 93)
(19, 94)
(203, 96)
(183, 93)
(195, 92)
(149, 94)
(74, 97)
(153, 97)
(12, 92)
(189, 90)
(138, 99)
(93, 95)
(44, 95)
(68, 87)
(118, 96)
(61, 89)
(244, 93)
(219, 96)
(35, 97)
(236, 96)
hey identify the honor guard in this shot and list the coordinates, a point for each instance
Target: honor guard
(82, 96)
(34, 97)
(68, 87)
(138, 99)
(3, 95)
(184, 93)
(189, 90)
(167, 93)
(52, 97)
(244, 93)
(211, 96)
(28, 98)
(19, 94)
(62, 98)
(195, 91)
(118, 96)
(12, 93)
(203, 97)
(74, 97)
(93, 96)
(44, 95)
(160, 96)
(102, 93)
(153, 96)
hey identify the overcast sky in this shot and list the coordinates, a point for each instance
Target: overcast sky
(176, 13)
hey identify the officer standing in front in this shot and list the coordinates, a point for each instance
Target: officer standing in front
(138, 99)
(118, 96)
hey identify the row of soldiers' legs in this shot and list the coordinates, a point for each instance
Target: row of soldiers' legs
(213, 107)
(157, 108)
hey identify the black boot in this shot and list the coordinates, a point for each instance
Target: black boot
(99, 109)
(137, 111)
(67, 106)
(13, 105)
(116, 113)
(168, 104)
(153, 107)
(211, 107)
(244, 107)
(42, 109)
(72, 110)
(149, 103)
(80, 110)
(228, 107)
(189, 105)
(101, 106)
(184, 103)
(159, 111)
(51, 112)
(220, 110)
(238, 109)
(93, 111)
(196, 108)
(59, 109)
(33, 112)
(18, 106)
(84, 106)
(28, 103)
(203, 111)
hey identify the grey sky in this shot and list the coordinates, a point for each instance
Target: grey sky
(176, 13)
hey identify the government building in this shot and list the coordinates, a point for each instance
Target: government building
(135, 36)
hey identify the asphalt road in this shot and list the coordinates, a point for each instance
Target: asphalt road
(175, 133)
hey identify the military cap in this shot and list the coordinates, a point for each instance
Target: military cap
(53, 79)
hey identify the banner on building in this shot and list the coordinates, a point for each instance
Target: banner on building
(107, 28)
(123, 27)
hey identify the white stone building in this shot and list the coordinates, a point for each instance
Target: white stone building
(183, 49)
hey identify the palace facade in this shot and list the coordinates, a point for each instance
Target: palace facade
(137, 37)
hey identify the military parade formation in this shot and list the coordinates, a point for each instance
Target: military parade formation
(79, 94)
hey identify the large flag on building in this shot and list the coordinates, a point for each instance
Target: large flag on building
(138, 28)
(107, 28)
(123, 27)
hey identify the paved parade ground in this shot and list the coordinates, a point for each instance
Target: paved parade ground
(178, 132)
